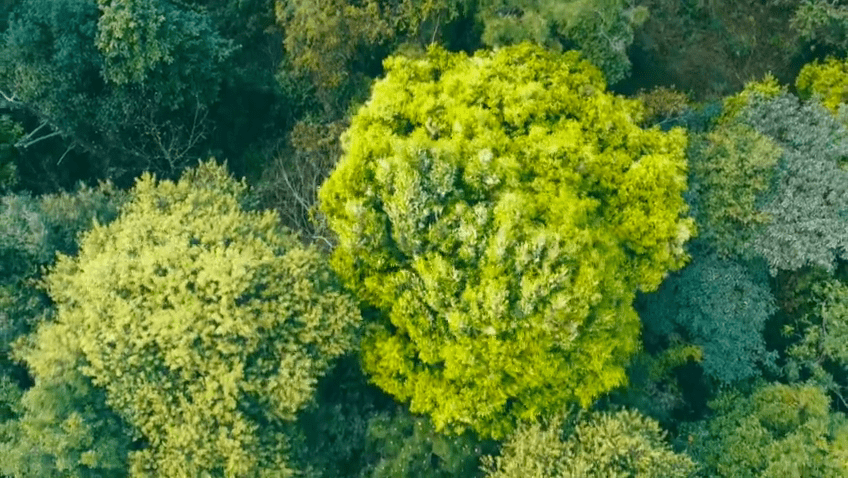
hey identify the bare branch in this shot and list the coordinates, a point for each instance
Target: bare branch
(21, 144)
(10, 99)
(65, 153)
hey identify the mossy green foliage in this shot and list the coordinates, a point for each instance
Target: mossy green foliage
(205, 325)
(601, 30)
(776, 431)
(731, 167)
(501, 211)
(819, 338)
(827, 81)
(600, 445)
(664, 105)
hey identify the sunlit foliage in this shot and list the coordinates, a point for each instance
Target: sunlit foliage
(502, 211)
(206, 326)
(598, 445)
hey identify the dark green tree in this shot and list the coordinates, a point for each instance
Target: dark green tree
(128, 83)
(822, 24)
(601, 30)
(720, 306)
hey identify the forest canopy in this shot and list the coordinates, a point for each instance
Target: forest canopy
(441, 238)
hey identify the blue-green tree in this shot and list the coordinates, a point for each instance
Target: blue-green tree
(720, 306)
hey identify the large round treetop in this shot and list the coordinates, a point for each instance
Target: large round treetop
(501, 211)
(207, 326)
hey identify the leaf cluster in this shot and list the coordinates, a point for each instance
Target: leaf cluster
(601, 30)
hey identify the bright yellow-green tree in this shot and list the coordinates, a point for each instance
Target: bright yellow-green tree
(206, 325)
(501, 211)
(828, 81)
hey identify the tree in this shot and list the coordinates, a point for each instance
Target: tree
(808, 200)
(822, 23)
(400, 444)
(206, 326)
(10, 133)
(340, 43)
(768, 181)
(732, 167)
(61, 428)
(818, 351)
(712, 48)
(32, 231)
(827, 81)
(356, 430)
(720, 306)
(500, 212)
(606, 444)
(602, 30)
(777, 430)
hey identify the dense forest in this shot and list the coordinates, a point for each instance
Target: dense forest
(423, 238)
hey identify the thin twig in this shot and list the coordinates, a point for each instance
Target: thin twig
(65, 153)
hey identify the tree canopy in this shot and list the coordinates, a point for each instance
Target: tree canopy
(206, 326)
(501, 211)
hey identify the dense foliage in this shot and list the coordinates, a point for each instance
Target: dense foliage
(622, 443)
(449, 238)
(778, 430)
(602, 30)
(496, 208)
(202, 323)
(720, 306)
